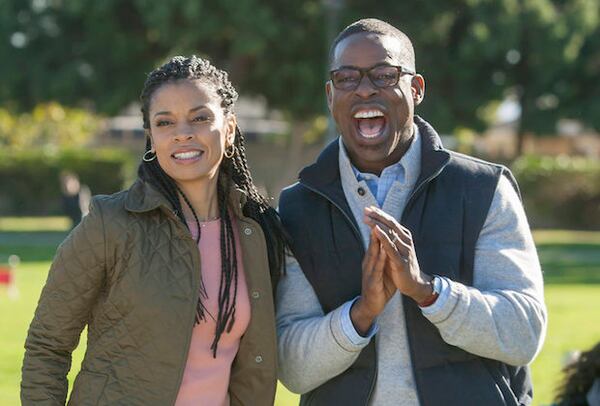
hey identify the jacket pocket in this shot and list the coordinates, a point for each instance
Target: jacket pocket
(87, 388)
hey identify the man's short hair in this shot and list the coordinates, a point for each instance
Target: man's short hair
(375, 26)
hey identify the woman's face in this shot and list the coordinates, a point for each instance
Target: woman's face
(189, 130)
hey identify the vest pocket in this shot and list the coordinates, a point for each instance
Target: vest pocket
(87, 388)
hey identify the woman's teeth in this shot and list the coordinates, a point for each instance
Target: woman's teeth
(187, 155)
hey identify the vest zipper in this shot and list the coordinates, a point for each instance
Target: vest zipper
(416, 190)
(372, 388)
(408, 336)
(196, 284)
(348, 219)
(357, 233)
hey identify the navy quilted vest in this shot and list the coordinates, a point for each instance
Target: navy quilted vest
(445, 214)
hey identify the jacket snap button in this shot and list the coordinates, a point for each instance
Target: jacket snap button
(258, 359)
(247, 231)
(255, 294)
(361, 191)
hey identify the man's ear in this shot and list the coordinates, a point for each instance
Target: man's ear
(417, 87)
(329, 92)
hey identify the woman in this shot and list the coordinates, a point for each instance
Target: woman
(173, 277)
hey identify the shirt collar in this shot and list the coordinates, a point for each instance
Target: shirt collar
(410, 163)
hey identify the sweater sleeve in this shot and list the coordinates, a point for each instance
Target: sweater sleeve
(74, 281)
(312, 346)
(503, 316)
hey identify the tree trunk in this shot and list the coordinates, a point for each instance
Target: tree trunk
(522, 79)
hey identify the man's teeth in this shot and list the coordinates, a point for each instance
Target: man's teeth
(368, 114)
(187, 155)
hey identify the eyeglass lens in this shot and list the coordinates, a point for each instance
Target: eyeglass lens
(380, 76)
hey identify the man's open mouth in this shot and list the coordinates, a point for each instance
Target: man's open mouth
(370, 123)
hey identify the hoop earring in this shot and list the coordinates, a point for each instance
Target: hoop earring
(147, 158)
(229, 152)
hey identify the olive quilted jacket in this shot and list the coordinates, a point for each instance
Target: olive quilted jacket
(129, 272)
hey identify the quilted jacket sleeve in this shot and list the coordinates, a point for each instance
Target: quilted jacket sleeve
(75, 278)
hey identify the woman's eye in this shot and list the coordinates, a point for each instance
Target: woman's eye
(162, 123)
(200, 118)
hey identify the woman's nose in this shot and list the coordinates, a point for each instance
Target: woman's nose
(184, 132)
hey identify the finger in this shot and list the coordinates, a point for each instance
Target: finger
(394, 239)
(397, 239)
(378, 216)
(380, 263)
(369, 258)
(398, 251)
(369, 221)
(388, 282)
(405, 234)
(370, 270)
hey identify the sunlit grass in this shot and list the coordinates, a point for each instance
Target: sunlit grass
(34, 224)
(571, 261)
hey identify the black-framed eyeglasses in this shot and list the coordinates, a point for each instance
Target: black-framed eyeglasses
(381, 76)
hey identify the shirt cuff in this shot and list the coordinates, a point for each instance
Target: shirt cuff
(441, 300)
(349, 330)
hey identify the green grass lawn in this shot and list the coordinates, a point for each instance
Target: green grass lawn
(571, 262)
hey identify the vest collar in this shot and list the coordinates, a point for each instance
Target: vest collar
(143, 197)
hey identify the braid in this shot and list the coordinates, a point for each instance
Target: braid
(234, 169)
(229, 269)
(257, 208)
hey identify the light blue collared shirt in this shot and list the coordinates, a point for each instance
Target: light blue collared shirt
(381, 185)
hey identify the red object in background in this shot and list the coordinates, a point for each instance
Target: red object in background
(6, 276)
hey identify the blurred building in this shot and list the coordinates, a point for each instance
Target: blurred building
(253, 116)
(571, 137)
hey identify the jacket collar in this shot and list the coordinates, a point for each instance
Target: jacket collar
(324, 177)
(143, 197)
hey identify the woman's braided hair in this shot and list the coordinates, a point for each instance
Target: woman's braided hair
(234, 169)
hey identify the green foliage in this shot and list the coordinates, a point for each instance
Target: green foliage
(472, 52)
(560, 192)
(29, 180)
(100, 52)
(47, 126)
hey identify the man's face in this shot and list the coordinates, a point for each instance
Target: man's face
(375, 123)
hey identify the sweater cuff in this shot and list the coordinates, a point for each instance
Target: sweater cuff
(344, 332)
(442, 309)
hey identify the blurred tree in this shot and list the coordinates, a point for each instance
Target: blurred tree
(48, 125)
(581, 85)
(97, 53)
(76, 51)
(472, 52)
(548, 60)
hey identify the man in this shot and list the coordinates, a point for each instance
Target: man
(415, 278)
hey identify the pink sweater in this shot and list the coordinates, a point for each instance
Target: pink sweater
(206, 379)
